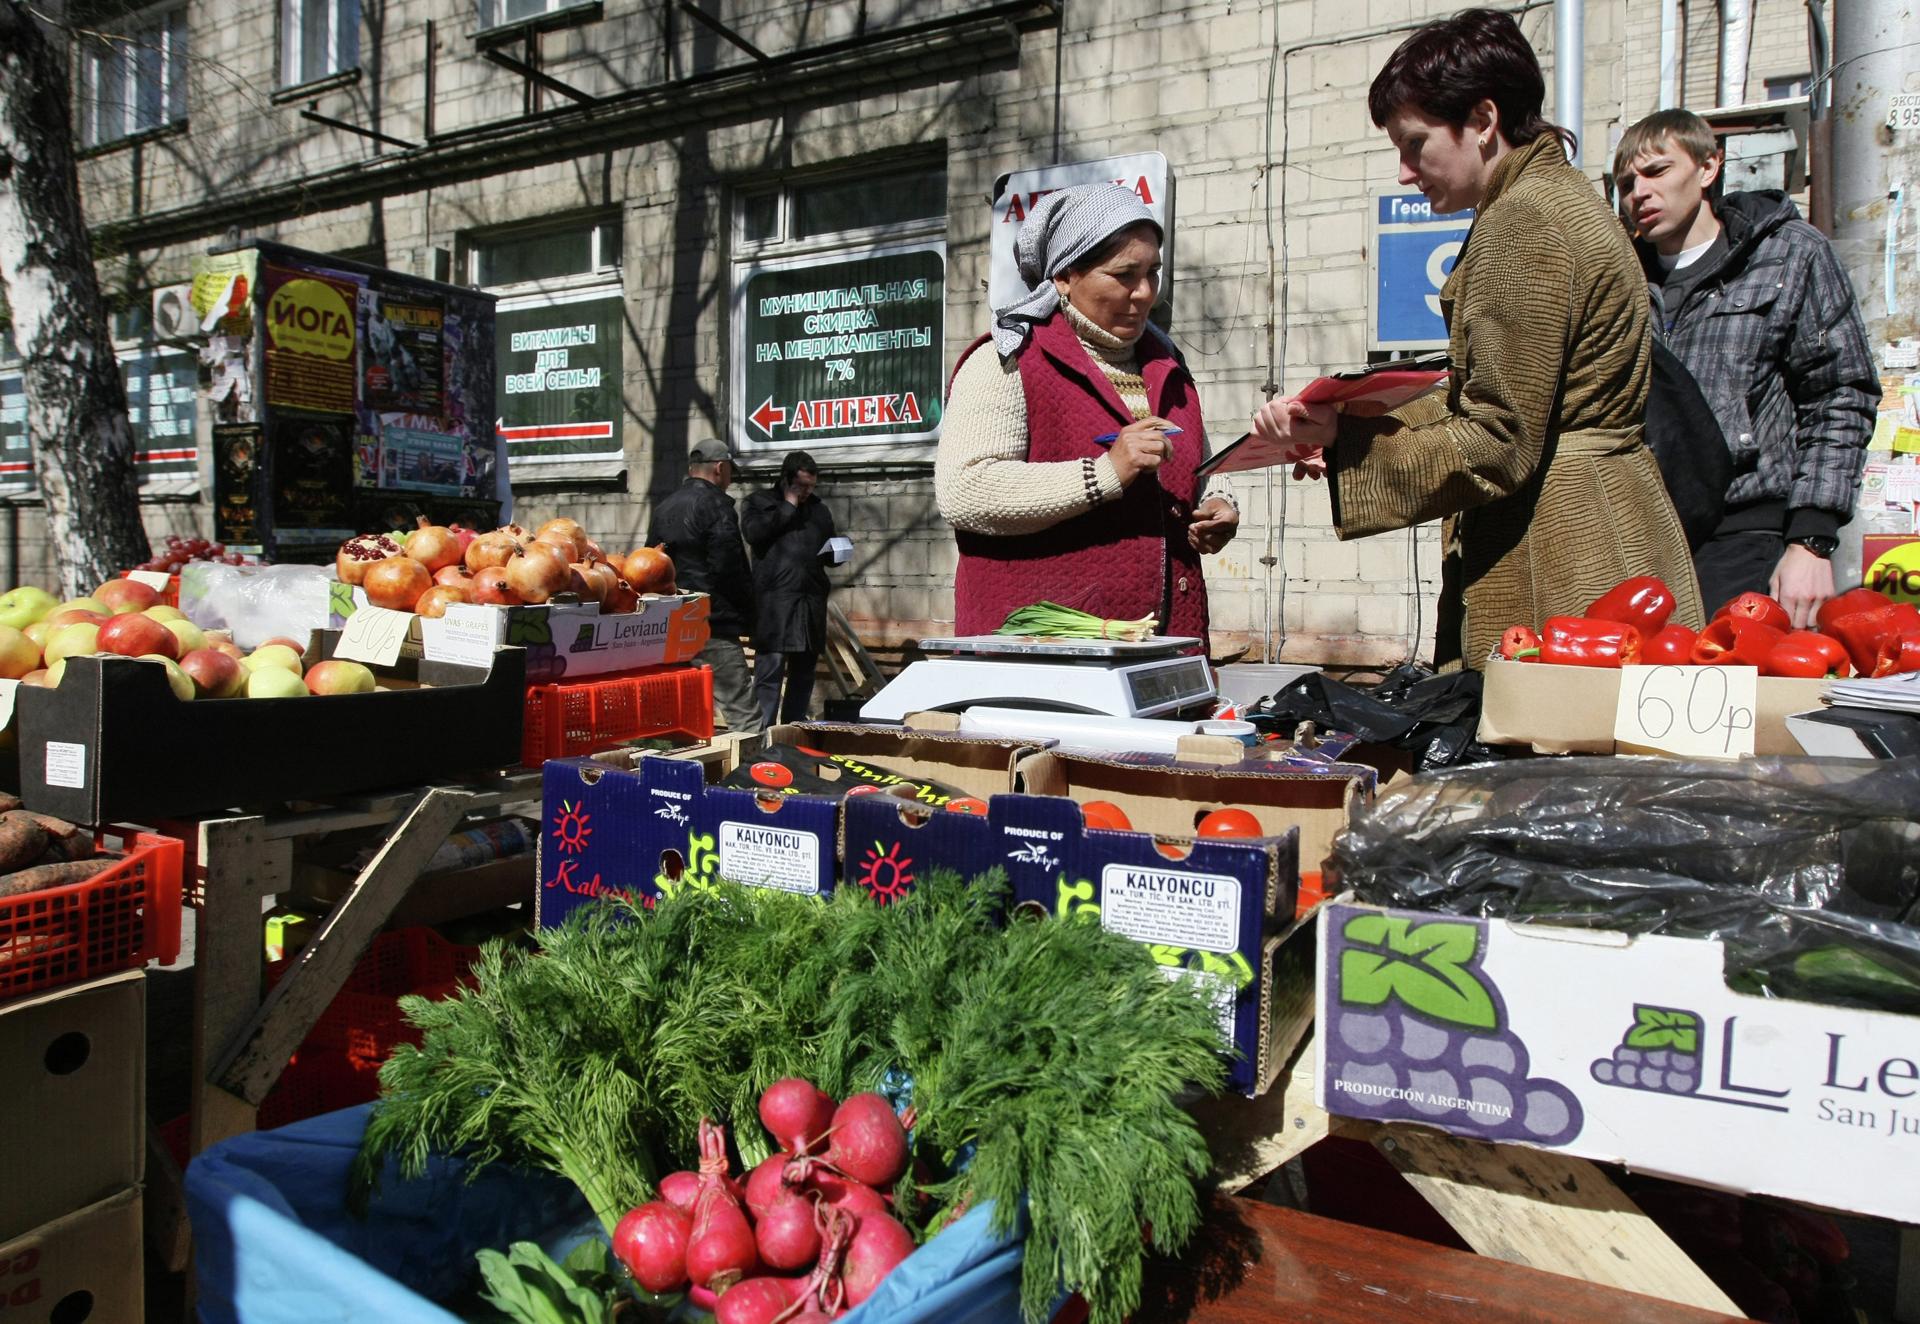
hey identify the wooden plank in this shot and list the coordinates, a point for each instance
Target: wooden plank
(1252, 1262)
(255, 1057)
(1250, 1138)
(1548, 1211)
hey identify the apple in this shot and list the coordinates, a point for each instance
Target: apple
(214, 674)
(54, 673)
(187, 633)
(162, 612)
(21, 607)
(35, 678)
(38, 632)
(178, 680)
(91, 604)
(339, 676)
(77, 616)
(275, 683)
(299, 649)
(18, 654)
(134, 635)
(72, 641)
(230, 648)
(124, 595)
(273, 656)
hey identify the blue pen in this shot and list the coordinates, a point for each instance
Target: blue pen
(1108, 438)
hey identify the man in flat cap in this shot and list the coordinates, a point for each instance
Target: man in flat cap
(701, 530)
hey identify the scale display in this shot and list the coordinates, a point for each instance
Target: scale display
(1172, 686)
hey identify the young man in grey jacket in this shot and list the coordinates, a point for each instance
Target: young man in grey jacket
(1753, 301)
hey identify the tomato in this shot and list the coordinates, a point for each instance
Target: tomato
(863, 788)
(772, 774)
(1173, 850)
(1231, 823)
(1103, 814)
(966, 804)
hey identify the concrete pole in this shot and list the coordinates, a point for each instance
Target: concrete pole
(1670, 34)
(1569, 68)
(1736, 41)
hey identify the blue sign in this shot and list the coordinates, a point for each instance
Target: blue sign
(1413, 251)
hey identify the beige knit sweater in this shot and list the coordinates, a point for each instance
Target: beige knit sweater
(982, 478)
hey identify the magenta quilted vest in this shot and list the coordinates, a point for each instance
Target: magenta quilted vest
(1125, 559)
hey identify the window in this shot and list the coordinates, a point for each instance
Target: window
(1787, 87)
(559, 339)
(501, 13)
(133, 80)
(839, 313)
(318, 38)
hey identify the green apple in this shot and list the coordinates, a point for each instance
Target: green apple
(275, 683)
(71, 641)
(178, 680)
(25, 605)
(18, 654)
(163, 613)
(93, 605)
(273, 656)
(188, 634)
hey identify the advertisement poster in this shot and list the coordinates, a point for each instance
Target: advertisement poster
(414, 459)
(222, 289)
(162, 389)
(402, 355)
(312, 474)
(558, 376)
(309, 341)
(16, 452)
(1892, 562)
(236, 484)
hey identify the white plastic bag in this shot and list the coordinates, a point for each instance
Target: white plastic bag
(256, 602)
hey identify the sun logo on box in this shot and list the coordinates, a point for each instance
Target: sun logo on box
(570, 830)
(887, 876)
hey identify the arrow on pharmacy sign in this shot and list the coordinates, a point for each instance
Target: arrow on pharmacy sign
(767, 417)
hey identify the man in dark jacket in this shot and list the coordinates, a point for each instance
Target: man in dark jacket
(788, 527)
(1754, 303)
(701, 531)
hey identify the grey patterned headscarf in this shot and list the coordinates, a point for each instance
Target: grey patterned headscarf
(1062, 229)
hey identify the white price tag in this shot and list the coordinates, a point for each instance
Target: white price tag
(153, 579)
(465, 635)
(66, 765)
(1903, 110)
(374, 635)
(1692, 712)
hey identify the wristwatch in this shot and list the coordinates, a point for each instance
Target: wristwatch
(1819, 544)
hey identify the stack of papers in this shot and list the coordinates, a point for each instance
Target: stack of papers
(1900, 694)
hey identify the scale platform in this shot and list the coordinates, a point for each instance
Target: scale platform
(1120, 678)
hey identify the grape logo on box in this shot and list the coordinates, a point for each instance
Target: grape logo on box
(1420, 1033)
(1660, 1053)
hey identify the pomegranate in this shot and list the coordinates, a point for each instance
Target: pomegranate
(596, 579)
(539, 572)
(564, 546)
(620, 598)
(564, 532)
(491, 549)
(434, 601)
(396, 583)
(351, 562)
(649, 570)
(464, 534)
(453, 576)
(490, 586)
(433, 546)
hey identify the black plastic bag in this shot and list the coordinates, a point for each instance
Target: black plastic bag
(1434, 717)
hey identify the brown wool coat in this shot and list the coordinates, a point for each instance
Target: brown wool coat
(1534, 454)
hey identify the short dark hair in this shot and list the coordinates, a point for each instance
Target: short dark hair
(1453, 64)
(797, 462)
(1666, 128)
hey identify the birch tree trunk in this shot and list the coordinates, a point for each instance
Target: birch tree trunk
(76, 398)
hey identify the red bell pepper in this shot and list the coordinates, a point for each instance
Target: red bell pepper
(1520, 644)
(1806, 653)
(1757, 607)
(1576, 641)
(1898, 655)
(1643, 602)
(1862, 633)
(1846, 604)
(1672, 646)
(1735, 641)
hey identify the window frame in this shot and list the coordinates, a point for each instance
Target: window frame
(117, 50)
(339, 62)
(600, 271)
(490, 29)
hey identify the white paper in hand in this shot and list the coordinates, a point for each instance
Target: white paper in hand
(837, 550)
(374, 635)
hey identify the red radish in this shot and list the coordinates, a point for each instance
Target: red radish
(680, 1189)
(796, 1114)
(758, 1300)
(763, 1185)
(720, 1249)
(652, 1242)
(844, 1193)
(786, 1235)
(868, 1142)
(878, 1245)
(826, 1292)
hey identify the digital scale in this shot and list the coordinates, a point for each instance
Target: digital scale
(1109, 677)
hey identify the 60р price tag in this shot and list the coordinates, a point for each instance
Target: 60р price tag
(374, 635)
(1693, 712)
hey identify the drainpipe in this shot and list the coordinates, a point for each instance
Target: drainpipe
(1736, 40)
(1569, 68)
(1819, 125)
(1669, 54)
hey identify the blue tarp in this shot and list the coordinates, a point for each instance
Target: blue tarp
(274, 1243)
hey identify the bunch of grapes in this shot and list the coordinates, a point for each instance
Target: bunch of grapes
(1395, 1063)
(180, 550)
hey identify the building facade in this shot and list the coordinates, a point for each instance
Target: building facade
(773, 222)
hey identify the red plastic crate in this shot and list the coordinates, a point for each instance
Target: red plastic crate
(567, 718)
(118, 919)
(317, 1082)
(363, 1023)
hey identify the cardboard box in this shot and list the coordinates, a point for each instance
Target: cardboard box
(1615, 1048)
(113, 744)
(1570, 710)
(73, 1106)
(84, 1266)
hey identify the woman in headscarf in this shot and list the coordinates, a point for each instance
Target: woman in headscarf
(1072, 432)
(1535, 454)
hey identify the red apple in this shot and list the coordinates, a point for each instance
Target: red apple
(72, 641)
(77, 616)
(295, 645)
(228, 647)
(133, 635)
(124, 595)
(215, 674)
(338, 676)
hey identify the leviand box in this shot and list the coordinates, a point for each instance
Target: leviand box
(1617, 1048)
(657, 824)
(1570, 710)
(83, 1266)
(73, 1110)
